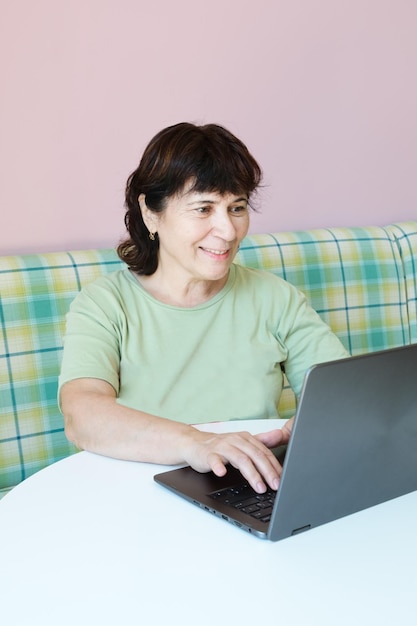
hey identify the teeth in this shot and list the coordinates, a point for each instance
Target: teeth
(219, 252)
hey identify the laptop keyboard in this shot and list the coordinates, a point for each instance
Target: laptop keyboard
(244, 498)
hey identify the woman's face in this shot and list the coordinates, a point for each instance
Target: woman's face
(199, 234)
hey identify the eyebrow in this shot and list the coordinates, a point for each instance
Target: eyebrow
(208, 201)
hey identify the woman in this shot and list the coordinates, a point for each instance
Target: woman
(182, 335)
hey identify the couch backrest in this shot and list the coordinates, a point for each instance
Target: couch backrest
(405, 237)
(35, 294)
(354, 278)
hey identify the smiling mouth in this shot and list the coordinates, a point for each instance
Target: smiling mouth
(217, 253)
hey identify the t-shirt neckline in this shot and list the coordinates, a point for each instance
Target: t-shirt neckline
(216, 298)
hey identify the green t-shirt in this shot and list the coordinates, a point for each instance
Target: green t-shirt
(217, 361)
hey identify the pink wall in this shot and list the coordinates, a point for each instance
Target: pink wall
(323, 92)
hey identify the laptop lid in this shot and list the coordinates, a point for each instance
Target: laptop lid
(353, 445)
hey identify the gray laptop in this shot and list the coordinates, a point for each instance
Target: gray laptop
(353, 445)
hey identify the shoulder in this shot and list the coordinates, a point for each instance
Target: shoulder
(262, 280)
(267, 294)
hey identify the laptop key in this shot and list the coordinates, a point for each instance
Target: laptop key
(261, 515)
(246, 503)
(233, 495)
(244, 498)
(250, 509)
(266, 512)
(266, 504)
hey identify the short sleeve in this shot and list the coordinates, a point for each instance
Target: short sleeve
(91, 342)
(307, 338)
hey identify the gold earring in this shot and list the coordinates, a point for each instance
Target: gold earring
(151, 236)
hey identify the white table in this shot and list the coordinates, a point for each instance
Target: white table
(91, 540)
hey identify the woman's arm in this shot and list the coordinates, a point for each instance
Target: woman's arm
(95, 421)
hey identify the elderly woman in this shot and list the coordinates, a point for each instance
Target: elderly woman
(182, 335)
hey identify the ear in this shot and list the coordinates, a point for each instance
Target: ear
(149, 217)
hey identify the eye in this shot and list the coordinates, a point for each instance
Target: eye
(238, 210)
(203, 210)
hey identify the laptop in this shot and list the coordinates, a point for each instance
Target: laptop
(353, 446)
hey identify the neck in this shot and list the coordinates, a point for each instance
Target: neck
(185, 294)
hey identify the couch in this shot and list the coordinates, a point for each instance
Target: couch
(362, 281)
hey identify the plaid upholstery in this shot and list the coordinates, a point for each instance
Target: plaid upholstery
(353, 277)
(35, 293)
(405, 236)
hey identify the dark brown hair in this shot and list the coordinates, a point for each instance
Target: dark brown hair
(209, 156)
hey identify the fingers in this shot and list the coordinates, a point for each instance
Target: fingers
(217, 465)
(249, 455)
(287, 429)
(274, 438)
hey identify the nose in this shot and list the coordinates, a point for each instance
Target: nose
(223, 225)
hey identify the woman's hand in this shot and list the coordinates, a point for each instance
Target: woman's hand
(95, 421)
(286, 431)
(250, 454)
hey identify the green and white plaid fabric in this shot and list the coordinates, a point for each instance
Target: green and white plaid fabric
(353, 277)
(35, 293)
(405, 236)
